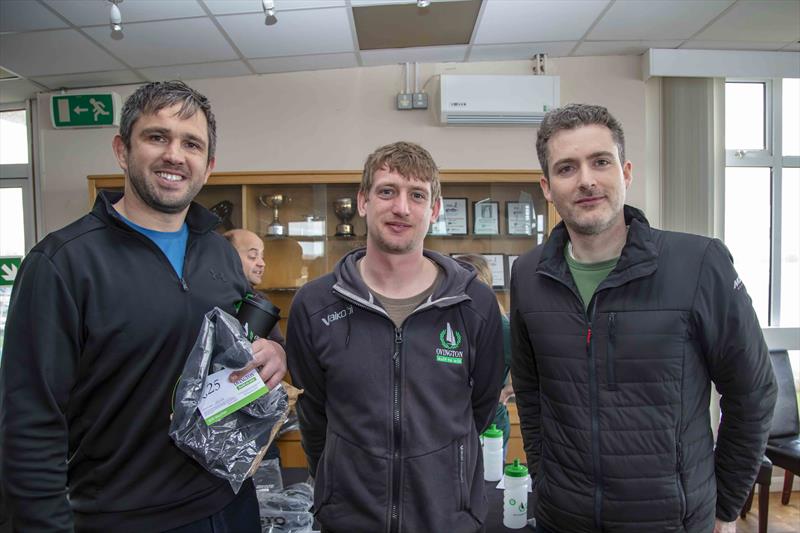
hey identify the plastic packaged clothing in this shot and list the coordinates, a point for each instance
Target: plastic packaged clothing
(232, 447)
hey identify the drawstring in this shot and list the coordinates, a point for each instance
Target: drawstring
(347, 338)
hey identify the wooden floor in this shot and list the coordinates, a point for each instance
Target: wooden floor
(782, 518)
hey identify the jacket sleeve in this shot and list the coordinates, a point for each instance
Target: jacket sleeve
(487, 372)
(739, 365)
(308, 375)
(525, 380)
(40, 354)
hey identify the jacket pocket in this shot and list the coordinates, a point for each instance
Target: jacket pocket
(611, 374)
(679, 483)
(443, 490)
(354, 492)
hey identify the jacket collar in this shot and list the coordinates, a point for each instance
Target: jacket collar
(451, 290)
(638, 259)
(198, 218)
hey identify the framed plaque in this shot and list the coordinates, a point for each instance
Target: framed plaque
(452, 218)
(519, 218)
(486, 215)
(511, 259)
(497, 266)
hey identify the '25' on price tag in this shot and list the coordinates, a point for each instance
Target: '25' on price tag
(220, 397)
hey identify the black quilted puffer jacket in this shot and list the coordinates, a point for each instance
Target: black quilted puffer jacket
(614, 400)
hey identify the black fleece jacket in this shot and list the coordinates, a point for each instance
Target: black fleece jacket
(98, 331)
(390, 416)
(614, 401)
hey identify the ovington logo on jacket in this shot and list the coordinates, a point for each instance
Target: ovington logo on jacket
(450, 340)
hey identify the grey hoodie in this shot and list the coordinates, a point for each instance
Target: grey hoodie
(390, 417)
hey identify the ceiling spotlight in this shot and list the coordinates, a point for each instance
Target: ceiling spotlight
(269, 12)
(423, 3)
(115, 20)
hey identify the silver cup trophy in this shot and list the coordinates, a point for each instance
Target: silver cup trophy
(345, 209)
(274, 202)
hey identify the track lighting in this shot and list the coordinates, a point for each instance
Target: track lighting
(115, 20)
(269, 12)
(423, 3)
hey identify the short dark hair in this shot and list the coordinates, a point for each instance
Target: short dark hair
(410, 160)
(153, 97)
(572, 116)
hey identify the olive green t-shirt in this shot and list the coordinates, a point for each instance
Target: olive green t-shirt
(588, 276)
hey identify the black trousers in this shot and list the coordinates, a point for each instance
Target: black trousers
(239, 516)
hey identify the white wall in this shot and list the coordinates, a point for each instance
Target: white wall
(333, 119)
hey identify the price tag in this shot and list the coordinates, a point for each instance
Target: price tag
(221, 397)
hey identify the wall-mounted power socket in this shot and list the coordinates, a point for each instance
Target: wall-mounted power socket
(420, 100)
(404, 101)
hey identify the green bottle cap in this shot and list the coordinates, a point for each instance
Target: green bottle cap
(516, 469)
(493, 432)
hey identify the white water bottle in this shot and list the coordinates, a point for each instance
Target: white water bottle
(515, 496)
(492, 454)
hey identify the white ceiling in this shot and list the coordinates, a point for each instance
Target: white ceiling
(55, 44)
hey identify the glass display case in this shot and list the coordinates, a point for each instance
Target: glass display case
(309, 220)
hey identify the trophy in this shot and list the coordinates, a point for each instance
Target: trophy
(274, 202)
(345, 209)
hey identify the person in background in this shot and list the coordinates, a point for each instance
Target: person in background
(102, 316)
(250, 248)
(618, 332)
(398, 352)
(501, 420)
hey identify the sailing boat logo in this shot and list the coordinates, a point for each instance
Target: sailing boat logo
(450, 338)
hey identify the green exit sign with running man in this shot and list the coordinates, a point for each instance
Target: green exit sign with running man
(85, 110)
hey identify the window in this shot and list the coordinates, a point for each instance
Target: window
(762, 192)
(16, 196)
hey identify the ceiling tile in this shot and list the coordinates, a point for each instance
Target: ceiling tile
(220, 69)
(505, 52)
(94, 12)
(13, 91)
(621, 48)
(513, 21)
(762, 20)
(89, 79)
(229, 7)
(24, 15)
(426, 54)
(53, 52)
(154, 44)
(730, 45)
(656, 19)
(407, 26)
(311, 31)
(293, 64)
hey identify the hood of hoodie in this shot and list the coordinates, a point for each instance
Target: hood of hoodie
(455, 279)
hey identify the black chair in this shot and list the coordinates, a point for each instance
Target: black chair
(763, 480)
(783, 447)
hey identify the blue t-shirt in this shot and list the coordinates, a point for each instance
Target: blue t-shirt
(172, 243)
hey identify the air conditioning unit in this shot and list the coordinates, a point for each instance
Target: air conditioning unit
(496, 99)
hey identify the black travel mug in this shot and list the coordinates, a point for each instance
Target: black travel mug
(258, 316)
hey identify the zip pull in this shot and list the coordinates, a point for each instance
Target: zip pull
(184, 286)
(612, 323)
(589, 336)
(398, 336)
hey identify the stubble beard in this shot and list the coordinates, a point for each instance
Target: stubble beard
(148, 194)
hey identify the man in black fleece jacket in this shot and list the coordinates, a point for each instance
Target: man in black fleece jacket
(618, 331)
(102, 316)
(400, 354)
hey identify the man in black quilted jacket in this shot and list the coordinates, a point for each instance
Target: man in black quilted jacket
(619, 331)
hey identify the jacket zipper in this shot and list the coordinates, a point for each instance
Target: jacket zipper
(462, 476)
(594, 399)
(394, 524)
(611, 377)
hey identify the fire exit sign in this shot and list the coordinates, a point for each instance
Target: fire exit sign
(85, 110)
